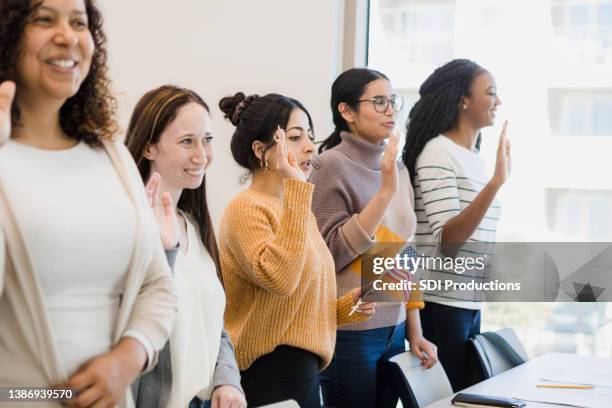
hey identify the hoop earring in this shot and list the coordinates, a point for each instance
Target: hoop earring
(263, 162)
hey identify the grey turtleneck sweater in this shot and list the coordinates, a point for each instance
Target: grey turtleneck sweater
(346, 178)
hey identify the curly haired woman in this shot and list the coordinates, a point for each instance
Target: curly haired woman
(86, 297)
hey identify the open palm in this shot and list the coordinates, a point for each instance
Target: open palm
(503, 164)
(162, 207)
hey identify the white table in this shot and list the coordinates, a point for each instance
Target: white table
(524, 378)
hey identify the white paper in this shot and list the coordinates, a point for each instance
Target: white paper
(586, 374)
(586, 398)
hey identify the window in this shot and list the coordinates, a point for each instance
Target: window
(580, 112)
(580, 212)
(583, 29)
(552, 62)
(421, 31)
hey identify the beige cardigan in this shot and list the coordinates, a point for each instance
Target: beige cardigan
(28, 354)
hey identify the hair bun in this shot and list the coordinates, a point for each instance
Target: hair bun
(234, 106)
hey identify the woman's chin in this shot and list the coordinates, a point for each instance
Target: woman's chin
(193, 184)
(61, 89)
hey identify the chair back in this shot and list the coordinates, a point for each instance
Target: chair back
(498, 351)
(419, 387)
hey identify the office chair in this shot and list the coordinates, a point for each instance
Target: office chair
(418, 387)
(498, 351)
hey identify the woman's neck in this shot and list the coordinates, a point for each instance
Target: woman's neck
(463, 134)
(40, 125)
(367, 138)
(267, 182)
(175, 193)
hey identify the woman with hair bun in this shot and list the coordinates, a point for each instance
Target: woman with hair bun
(279, 276)
(86, 295)
(454, 197)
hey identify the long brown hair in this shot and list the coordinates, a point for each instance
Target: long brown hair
(152, 115)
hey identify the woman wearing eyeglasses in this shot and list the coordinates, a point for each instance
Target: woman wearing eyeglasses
(362, 197)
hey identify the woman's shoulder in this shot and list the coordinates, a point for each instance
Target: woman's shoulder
(125, 166)
(119, 152)
(437, 150)
(437, 144)
(330, 159)
(331, 166)
(249, 201)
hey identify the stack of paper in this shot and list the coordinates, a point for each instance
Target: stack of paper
(600, 396)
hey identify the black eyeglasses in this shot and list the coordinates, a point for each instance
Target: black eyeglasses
(381, 103)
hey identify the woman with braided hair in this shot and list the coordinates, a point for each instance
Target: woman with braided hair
(454, 198)
(279, 277)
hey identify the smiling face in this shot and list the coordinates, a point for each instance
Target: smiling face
(184, 150)
(56, 50)
(365, 121)
(481, 105)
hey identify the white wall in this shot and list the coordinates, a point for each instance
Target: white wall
(219, 47)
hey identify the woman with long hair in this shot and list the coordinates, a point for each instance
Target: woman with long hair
(170, 138)
(363, 198)
(86, 295)
(454, 197)
(282, 310)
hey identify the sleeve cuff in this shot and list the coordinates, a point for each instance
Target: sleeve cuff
(297, 191)
(415, 304)
(415, 301)
(355, 236)
(343, 308)
(145, 343)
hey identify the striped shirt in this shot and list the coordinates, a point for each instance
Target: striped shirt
(448, 178)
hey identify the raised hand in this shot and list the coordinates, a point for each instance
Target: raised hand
(388, 166)
(286, 164)
(7, 93)
(163, 209)
(503, 163)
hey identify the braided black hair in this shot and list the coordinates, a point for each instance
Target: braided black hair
(437, 109)
(348, 88)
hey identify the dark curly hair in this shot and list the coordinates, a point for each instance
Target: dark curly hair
(437, 109)
(257, 118)
(89, 115)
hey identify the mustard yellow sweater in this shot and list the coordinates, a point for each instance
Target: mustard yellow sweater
(279, 276)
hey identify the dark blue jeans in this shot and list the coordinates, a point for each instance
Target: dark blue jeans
(449, 328)
(358, 375)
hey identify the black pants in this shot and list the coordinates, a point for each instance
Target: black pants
(286, 373)
(449, 328)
